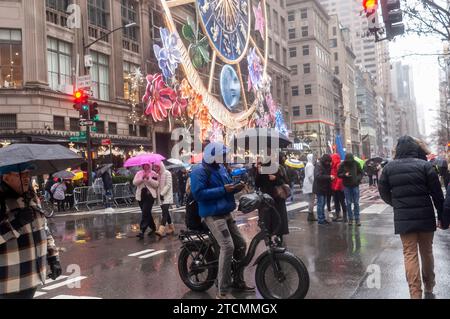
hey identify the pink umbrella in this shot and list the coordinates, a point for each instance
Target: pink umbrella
(147, 158)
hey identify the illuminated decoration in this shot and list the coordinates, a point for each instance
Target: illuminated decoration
(216, 132)
(136, 78)
(280, 124)
(230, 87)
(168, 55)
(226, 25)
(259, 22)
(255, 70)
(370, 5)
(158, 97)
(5, 143)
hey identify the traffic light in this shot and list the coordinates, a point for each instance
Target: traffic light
(81, 103)
(93, 112)
(370, 6)
(84, 112)
(392, 17)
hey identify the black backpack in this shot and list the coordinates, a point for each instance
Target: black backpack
(192, 219)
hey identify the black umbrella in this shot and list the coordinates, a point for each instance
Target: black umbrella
(123, 172)
(377, 160)
(103, 168)
(64, 175)
(46, 158)
(256, 136)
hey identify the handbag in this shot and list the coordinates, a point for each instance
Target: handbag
(282, 191)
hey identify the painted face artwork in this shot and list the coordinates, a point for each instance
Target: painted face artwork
(230, 87)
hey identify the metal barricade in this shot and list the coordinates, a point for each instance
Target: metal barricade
(122, 192)
(87, 196)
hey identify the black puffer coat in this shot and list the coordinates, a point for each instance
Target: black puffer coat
(408, 184)
(322, 176)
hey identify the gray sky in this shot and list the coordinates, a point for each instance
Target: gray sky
(426, 71)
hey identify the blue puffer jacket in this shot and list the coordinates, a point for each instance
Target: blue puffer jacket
(211, 196)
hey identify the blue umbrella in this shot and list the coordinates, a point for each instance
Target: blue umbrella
(339, 147)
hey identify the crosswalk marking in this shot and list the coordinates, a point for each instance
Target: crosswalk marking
(64, 283)
(39, 293)
(74, 297)
(375, 209)
(153, 254)
(141, 252)
(49, 281)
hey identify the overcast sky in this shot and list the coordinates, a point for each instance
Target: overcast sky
(426, 71)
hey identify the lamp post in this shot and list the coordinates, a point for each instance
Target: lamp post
(86, 71)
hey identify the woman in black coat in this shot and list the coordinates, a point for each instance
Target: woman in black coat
(266, 183)
(410, 185)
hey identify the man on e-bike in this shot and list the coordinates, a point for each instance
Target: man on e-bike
(212, 187)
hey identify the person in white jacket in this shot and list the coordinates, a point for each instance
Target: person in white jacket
(147, 183)
(308, 186)
(165, 191)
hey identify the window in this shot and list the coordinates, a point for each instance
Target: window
(292, 52)
(334, 31)
(60, 5)
(11, 71)
(74, 124)
(296, 110)
(128, 68)
(59, 63)
(100, 75)
(129, 14)
(306, 68)
(335, 56)
(282, 3)
(333, 43)
(294, 69)
(304, 31)
(284, 57)
(307, 89)
(269, 19)
(270, 47)
(277, 52)
(291, 16)
(143, 131)
(98, 13)
(112, 128)
(308, 110)
(58, 123)
(336, 70)
(275, 21)
(304, 13)
(100, 125)
(8, 121)
(283, 28)
(305, 50)
(132, 130)
(295, 90)
(291, 33)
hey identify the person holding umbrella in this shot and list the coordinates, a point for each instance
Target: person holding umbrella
(23, 225)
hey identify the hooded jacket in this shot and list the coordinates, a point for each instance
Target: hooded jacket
(309, 175)
(151, 184)
(337, 183)
(411, 186)
(322, 178)
(353, 168)
(165, 185)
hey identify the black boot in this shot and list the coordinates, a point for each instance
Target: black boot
(140, 235)
(311, 217)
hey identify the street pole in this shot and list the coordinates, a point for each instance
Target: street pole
(110, 153)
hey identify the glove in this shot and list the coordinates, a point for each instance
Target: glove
(55, 268)
(24, 216)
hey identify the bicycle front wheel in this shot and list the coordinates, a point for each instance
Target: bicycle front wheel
(48, 209)
(284, 278)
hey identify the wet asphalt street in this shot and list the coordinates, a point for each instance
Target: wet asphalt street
(102, 258)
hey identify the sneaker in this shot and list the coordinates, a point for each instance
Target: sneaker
(429, 295)
(325, 222)
(242, 286)
(224, 296)
(350, 222)
(358, 223)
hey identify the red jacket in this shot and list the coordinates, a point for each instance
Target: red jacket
(336, 184)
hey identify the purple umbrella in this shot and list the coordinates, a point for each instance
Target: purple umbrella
(147, 158)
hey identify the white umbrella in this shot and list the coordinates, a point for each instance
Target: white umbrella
(175, 161)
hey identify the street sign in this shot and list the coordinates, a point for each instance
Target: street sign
(94, 129)
(86, 123)
(82, 134)
(84, 82)
(77, 139)
(106, 142)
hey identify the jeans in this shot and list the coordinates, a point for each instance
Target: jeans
(231, 244)
(321, 201)
(352, 197)
(176, 199)
(424, 242)
(339, 202)
(165, 215)
(291, 198)
(24, 294)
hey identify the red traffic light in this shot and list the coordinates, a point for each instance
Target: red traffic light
(78, 94)
(370, 5)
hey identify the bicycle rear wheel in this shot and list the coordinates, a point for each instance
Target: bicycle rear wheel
(291, 281)
(48, 208)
